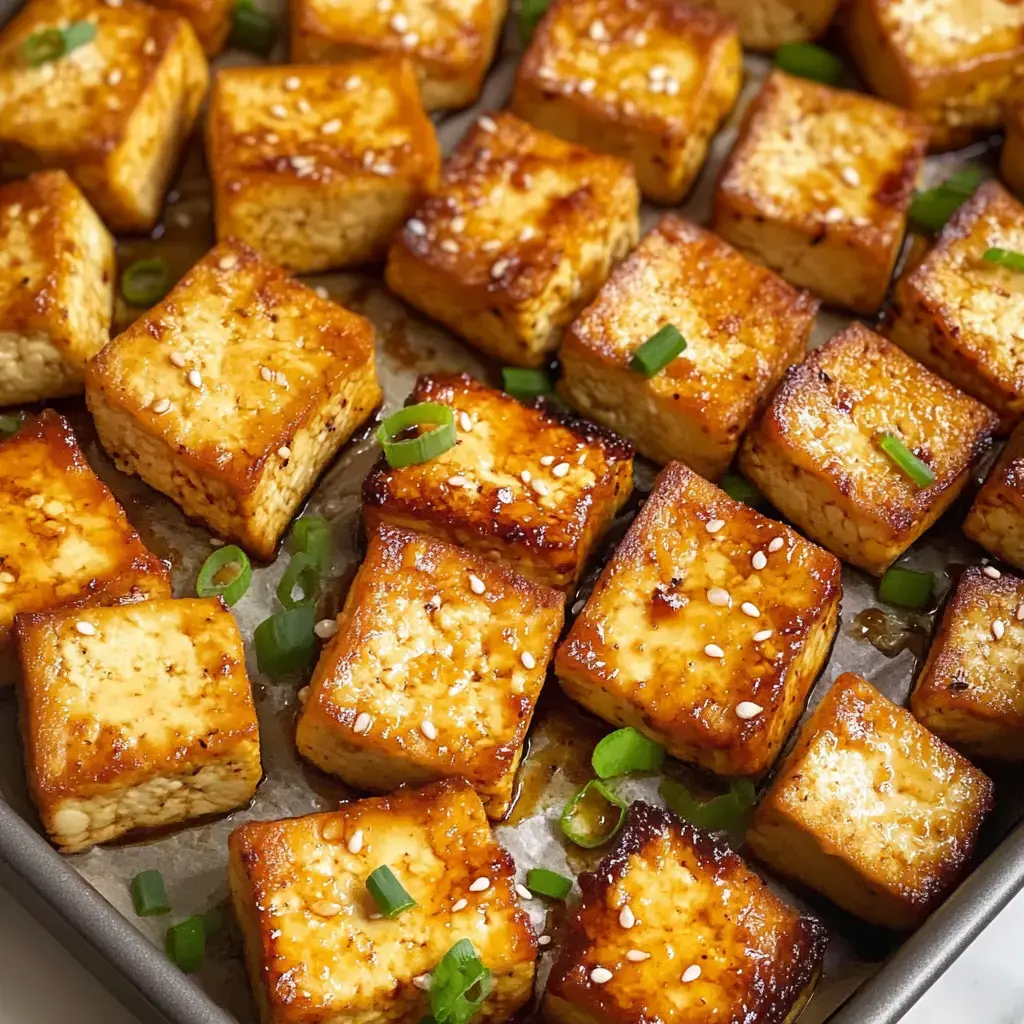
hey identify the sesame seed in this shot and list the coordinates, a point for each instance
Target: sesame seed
(692, 973)
(833, 215)
(326, 628)
(149, 47)
(399, 22)
(161, 405)
(195, 378)
(284, 451)
(543, 940)
(523, 892)
(637, 956)
(715, 525)
(423, 982)
(540, 487)
(526, 476)
(528, 660)
(714, 651)
(457, 224)
(992, 572)
(85, 628)
(750, 609)
(671, 87)
(325, 908)
(587, 86)
(998, 629)
(459, 905)
(658, 72)
(775, 545)
(449, 245)
(600, 975)
(759, 561)
(177, 359)
(291, 83)
(498, 267)
(487, 123)
(281, 379)
(332, 830)
(114, 77)
(322, 292)
(762, 634)
(362, 723)
(429, 730)
(303, 106)
(353, 82)
(278, 110)
(747, 709)
(719, 597)
(850, 176)
(476, 584)
(1020, 613)
(53, 508)
(546, 460)
(480, 884)
(266, 373)
(465, 423)
(410, 39)
(7, 577)
(303, 695)
(561, 469)
(330, 127)
(227, 262)
(597, 30)
(355, 841)
(416, 227)
(626, 917)
(456, 480)
(577, 606)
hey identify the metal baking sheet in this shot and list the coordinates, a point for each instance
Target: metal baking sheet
(86, 895)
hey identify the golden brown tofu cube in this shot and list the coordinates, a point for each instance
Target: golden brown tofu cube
(971, 690)
(1011, 165)
(520, 486)
(962, 316)
(707, 628)
(434, 672)
(317, 949)
(56, 287)
(674, 926)
(953, 62)
(64, 539)
(647, 81)
(996, 519)
(210, 20)
(816, 452)
(450, 42)
(114, 112)
(743, 326)
(871, 809)
(517, 239)
(135, 716)
(232, 394)
(317, 167)
(818, 186)
(768, 24)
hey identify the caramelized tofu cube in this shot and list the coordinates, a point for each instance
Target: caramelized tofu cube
(816, 452)
(1011, 165)
(114, 112)
(56, 287)
(743, 326)
(517, 239)
(871, 809)
(962, 316)
(768, 24)
(996, 519)
(520, 486)
(953, 62)
(674, 926)
(707, 628)
(450, 42)
(135, 716)
(434, 672)
(232, 394)
(647, 81)
(818, 186)
(318, 167)
(971, 689)
(210, 20)
(317, 949)
(64, 539)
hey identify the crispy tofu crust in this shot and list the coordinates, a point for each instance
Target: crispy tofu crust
(448, 677)
(971, 689)
(317, 167)
(871, 809)
(815, 454)
(316, 950)
(743, 326)
(521, 485)
(963, 317)
(952, 61)
(56, 287)
(64, 539)
(517, 239)
(818, 186)
(210, 19)
(114, 114)
(233, 393)
(638, 654)
(767, 24)
(135, 716)
(694, 903)
(450, 42)
(1011, 164)
(996, 519)
(649, 81)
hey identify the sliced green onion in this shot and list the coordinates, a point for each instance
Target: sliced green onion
(626, 750)
(919, 472)
(311, 535)
(809, 61)
(285, 642)
(53, 43)
(185, 942)
(598, 829)
(542, 882)
(530, 13)
(414, 450)
(932, 207)
(525, 384)
(906, 588)
(252, 29)
(304, 573)
(658, 351)
(1005, 258)
(145, 282)
(225, 574)
(10, 424)
(727, 812)
(459, 985)
(388, 892)
(739, 488)
(149, 894)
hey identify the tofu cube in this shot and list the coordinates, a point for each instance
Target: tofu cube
(114, 112)
(707, 628)
(971, 690)
(426, 678)
(768, 24)
(996, 519)
(521, 485)
(517, 239)
(647, 81)
(816, 451)
(1011, 165)
(210, 20)
(818, 186)
(64, 539)
(135, 717)
(232, 394)
(56, 287)
(743, 327)
(962, 316)
(318, 167)
(871, 809)
(709, 939)
(318, 951)
(953, 62)
(450, 42)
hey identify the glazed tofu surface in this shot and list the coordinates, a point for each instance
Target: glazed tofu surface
(768, 24)
(210, 19)
(1011, 163)
(996, 519)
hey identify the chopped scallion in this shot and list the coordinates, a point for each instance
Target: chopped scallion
(286, 642)
(1005, 258)
(525, 384)
(252, 29)
(53, 43)
(739, 488)
(809, 61)
(626, 750)
(388, 892)
(593, 815)
(658, 351)
(932, 207)
(424, 447)
(226, 574)
(145, 282)
(906, 588)
(530, 13)
(311, 535)
(301, 572)
(459, 985)
(548, 883)
(10, 424)
(727, 812)
(185, 942)
(149, 894)
(918, 471)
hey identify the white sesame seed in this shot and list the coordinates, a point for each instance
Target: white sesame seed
(587, 86)
(747, 709)
(362, 723)
(325, 908)
(284, 451)
(353, 82)
(850, 176)
(637, 956)
(465, 422)
(543, 940)
(528, 660)
(114, 77)
(330, 127)
(759, 561)
(526, 476)
(399, 22)
(429, 730)
(53, 508)
(457, 224)
(658, 72)
(476, 584)
(291, 83)
(714, 651)
(671, 87)
(480, 884)
(281, 379)
(266, 373)
(195, 378)
(539, 487)
(410, 39)
(546, 460)
(177, 359)
(456, 480)
(149, 47)
(762, 634)
(600, 975)
(227, 262)
(498, 267)
(459, 905)
(161, 405)
(416, 226)
(7, 577)
(303, 106)
(423, 982)
(85, 628)
(523, 892)
(750, 609)
(597, 30)
(775, 545)
(1020, 613)
(715, 525)
(487, 123)
(626, 917)
(692, 973)
(278, 110)
(326, 628)
(998, 628)
(322, 292)
(449, 245)
(561, 469)
(992, 572)
(719, 597)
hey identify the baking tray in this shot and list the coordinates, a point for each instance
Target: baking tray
(870, 978)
